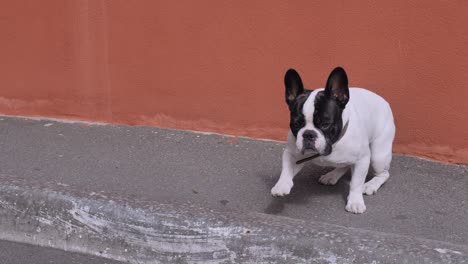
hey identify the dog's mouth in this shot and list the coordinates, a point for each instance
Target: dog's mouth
(312, 154)
(309, 151)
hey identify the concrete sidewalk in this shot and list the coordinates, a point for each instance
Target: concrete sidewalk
(16, 253)
(424, 204)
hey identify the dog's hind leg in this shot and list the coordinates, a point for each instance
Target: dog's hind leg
(332, 177)
(381, 157)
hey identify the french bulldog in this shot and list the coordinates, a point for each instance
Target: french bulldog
(340, 127)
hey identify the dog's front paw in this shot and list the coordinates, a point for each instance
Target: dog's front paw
(282, 188)
(356, 205)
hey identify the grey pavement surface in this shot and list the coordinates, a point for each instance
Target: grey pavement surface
(422, 199)
(17, 253)
(166, 233)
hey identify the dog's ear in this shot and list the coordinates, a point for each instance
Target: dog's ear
(293, 84)
(337, 87)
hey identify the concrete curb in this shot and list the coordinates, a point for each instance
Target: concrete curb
(159, 233)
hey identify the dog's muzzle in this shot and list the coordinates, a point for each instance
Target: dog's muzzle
(308, 143)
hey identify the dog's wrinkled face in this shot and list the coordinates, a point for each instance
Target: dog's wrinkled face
(315, 119)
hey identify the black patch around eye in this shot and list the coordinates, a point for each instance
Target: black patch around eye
(297, 118)
(327, 117)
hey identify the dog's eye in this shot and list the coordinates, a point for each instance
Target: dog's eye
(325, 126)
(297, 125)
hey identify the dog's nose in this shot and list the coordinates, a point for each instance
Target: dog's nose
(309, 135)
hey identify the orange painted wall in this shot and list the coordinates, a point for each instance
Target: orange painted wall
(218, 66)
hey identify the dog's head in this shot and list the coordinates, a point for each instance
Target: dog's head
(316, 120)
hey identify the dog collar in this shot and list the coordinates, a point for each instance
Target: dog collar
(345, 127)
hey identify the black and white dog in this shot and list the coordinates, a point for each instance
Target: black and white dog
(345, 128)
